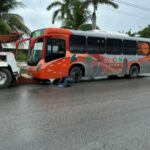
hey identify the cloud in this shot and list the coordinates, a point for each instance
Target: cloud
(36, 16)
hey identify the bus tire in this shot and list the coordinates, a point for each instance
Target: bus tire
(134, 71)
(5, 78)
(75, 73)
(112, 77)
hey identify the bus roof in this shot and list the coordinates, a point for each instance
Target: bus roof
(102, 34)
(108, 35)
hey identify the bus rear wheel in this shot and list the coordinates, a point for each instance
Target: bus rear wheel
(5, 78)
(134, 71)
(76, 73)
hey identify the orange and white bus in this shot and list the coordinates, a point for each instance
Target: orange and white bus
(56, 53)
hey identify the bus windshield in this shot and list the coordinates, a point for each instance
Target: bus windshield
(35, 54)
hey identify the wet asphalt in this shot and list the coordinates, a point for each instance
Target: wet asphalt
(106, 114)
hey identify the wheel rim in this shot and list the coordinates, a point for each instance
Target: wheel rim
(75, 74)
(3, 78)
(134, 72)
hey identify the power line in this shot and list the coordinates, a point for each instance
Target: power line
(133, 5)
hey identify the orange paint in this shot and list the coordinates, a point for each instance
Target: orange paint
(107, 64)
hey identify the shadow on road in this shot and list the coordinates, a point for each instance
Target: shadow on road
(112, 78)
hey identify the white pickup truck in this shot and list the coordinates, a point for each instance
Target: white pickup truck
(9, 70)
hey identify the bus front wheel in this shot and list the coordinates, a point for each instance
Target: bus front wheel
(76, 73)
(134, 71)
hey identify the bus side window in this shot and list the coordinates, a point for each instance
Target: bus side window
(114, 46)
(58, 46)
(77, 44)
(129, 47)
(49, 47)
(95, 45)
(55, 49)
(143, 48)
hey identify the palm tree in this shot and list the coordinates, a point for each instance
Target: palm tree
(87, 27)
(95, 3)
(62, 10)
(78, 15)
(10, 22)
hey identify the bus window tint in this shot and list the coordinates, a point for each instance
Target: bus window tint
(55, 48)
(36, 52)
(129, 47)
(58, 46)
(77, 44)
(143, 48)
(114, 46)
(95, 45)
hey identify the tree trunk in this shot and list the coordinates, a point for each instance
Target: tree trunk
(94, 20)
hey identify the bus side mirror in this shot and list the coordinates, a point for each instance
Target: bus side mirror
(32, 43)
(21, 41)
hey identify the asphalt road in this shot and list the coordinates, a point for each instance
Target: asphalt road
(93, 115)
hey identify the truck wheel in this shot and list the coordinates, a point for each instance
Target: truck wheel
(76, 73)
(134, 71)
(5, 78)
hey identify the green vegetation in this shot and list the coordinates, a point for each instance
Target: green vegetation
(4, 28)
(62, 9)
(10, 22)
(74, 14)
(145, 32)
(78, 15)
(21, 56)
(95, 4)
(87, 27)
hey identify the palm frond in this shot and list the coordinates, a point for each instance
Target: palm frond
(4, 27)
(63, 5)
(88, 2)
(7, 5)
(96, 2)
(111, 3)
(53, 5)
(21, 19)
(77, 16)
(87, 27)
(15, 23)
(55, 14)
(16, 4)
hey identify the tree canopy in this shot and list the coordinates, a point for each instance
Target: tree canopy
(62, 10)
(145, 32)
(77, 16)
(75, 13)
(10, 22)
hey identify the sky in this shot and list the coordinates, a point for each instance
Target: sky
(108, 19)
